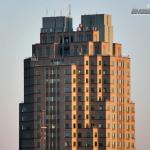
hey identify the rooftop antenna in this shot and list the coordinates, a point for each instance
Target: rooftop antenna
(50, 13)
(46, 12)
(54, 12)
(69, 10)
(61, 12)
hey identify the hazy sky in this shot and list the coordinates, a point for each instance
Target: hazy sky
(20, 23)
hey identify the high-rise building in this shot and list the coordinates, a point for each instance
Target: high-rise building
(77, 89)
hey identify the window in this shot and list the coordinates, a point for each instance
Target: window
(74, 143)
(67, 117)
(132, 118)
(99, 99)
(74, 125)
(87, 89)
(67, 71)
(101, 144)
(132, 145)
(108, 145)
(113, 135)
(92, 89)
(88, 134)
(80, 117)
(97, 49)
(74, 107)
(67, 134)
(99, 72)
(92, 71)
(127, 109)
(119, 126)
(87, 98)
(113, 117)
(113, 108)
(112, 72)
(66, 143)
(67, 80)
(80, 71)
(112, 63)
(79, 135)
(79, 98)
(74, 89)
(127, 118)
(74, 134)
(79, 144)
(92, 108)
(120, 108)
(112, 90)
(106, 62)
(99, 80)
(95, 134)
(132, 127)
(87, 80)
(87, 116)
(38, 99)
(74, 80)
(79, 89)
(67, 98)
(92, 80)
(67, 90)
(87, 107)
(39, 82)
(100, 107)
(67, 107)
(87, 71)
(74, 71)
(127, 65)
(113, 126)
(79, 125)
(80, 107)
(87, 63)
(127, 126)
(108, 125)
(66, 125)
(100, 90)
(74, 98)
(79, 80)
(99, 63)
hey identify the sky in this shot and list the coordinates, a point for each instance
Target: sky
(20, 23)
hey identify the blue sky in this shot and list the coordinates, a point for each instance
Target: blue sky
(20, 23)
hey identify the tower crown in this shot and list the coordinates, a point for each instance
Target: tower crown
(57, 24)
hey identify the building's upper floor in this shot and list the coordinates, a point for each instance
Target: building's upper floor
(93, 36)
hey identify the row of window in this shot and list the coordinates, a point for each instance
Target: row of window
(68, 134)
(94, 72)
(107, 63)
(90, 144)
(94, 90)
(94, 80)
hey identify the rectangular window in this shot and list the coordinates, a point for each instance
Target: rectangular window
(99, 63)
(67, 134)
(67, 98)
(87, 71)
(87, 63)
(74, 143)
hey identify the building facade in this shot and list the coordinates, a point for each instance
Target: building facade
(77, 89)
